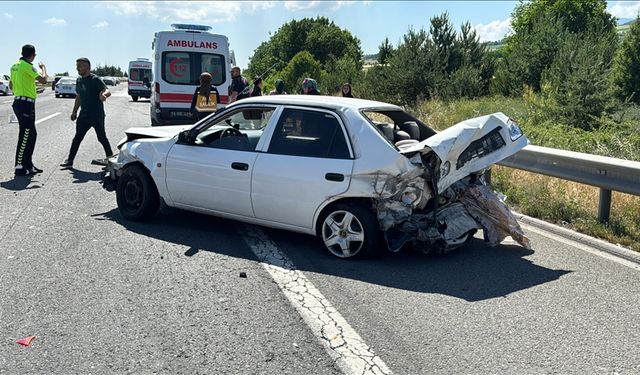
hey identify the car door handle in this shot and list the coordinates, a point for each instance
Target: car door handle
(240, 166)
(334, 177)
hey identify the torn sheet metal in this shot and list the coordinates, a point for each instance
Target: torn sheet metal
(494, 216)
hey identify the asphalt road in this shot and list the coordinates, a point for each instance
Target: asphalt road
(103, 295)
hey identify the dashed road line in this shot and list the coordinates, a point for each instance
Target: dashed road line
(48, 117)
(349, 351)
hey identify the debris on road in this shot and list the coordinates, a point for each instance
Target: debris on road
(243, 275)
(25, 341)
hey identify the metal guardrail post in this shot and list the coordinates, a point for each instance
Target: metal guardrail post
(604, 206)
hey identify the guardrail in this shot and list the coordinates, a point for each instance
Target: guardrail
(609, 174)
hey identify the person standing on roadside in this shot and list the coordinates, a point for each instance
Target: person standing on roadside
(91, 93)
(239, 86)
(23, 84)
(346, 91)
(279, 90)
(257, 87)
(205, 98)
(310, 87)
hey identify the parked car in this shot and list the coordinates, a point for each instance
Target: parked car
(55, 81)
(4, 86)
(109, 81)
(361, 175)
(66, 86)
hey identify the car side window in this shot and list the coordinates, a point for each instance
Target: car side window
(239, 130)
(309, 133)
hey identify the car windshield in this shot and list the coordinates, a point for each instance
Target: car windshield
(67, 81)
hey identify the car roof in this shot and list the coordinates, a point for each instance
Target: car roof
(324, 101)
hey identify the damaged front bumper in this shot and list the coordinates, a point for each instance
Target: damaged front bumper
(113, 167)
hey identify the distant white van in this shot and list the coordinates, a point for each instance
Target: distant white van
(140, 78)
(179, 57)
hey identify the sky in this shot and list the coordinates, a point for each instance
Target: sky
(115, 32)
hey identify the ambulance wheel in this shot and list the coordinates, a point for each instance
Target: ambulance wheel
(134, 97)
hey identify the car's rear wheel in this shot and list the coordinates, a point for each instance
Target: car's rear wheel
(136, 194)
(134, 97)
(350, 231)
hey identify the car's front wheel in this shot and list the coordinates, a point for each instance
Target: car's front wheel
(350, 231)
(136, 194)
(134, 97)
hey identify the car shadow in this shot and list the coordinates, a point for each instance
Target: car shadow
(81, 177)
(140, 101)
(19, 183)
(473, 273)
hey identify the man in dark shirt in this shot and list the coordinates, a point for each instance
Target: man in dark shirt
(239, 88)
(91, 92)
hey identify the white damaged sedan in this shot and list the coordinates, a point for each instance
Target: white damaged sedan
(363, 176)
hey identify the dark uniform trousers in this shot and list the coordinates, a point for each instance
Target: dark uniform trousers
(26, 113)
(83, 124)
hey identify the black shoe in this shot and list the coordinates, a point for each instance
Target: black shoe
(36, 170)
(67, 164)
(23, 172)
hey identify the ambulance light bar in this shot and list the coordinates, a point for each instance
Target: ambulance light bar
(183, 26)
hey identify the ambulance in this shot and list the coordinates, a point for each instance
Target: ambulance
(179, 57)
(140, 79)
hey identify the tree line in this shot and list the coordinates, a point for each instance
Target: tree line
(564, 54)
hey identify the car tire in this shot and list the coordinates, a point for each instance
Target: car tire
(57, 95)
(350, 231)
(136, 194)
(134, 97)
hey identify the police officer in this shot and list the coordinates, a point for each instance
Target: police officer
(91, 92)
(23, 84)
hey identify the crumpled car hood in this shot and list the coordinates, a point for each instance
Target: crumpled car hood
(157, 132)
(471, 146)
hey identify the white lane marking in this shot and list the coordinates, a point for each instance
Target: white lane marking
(342, 342)
(581, 246)
(7, 102)
(48, 117)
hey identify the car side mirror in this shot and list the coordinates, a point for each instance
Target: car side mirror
(184, 137)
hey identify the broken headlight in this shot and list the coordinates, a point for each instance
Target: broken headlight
(514, 130)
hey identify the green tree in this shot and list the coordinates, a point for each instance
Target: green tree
(443, 36)
(575, 86)
(539, 27)
(302, 65)
(385, 51)
(575, 16)
(625, 75)
(325, 41)
(107, 71)
(525, 60)
(340, 71)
